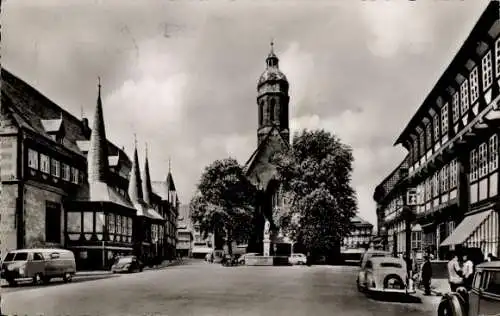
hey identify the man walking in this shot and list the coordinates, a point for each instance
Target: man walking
(427, 275)
(454, 272)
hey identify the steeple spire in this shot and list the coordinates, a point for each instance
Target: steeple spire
(135, 183)
(272, 60)
(146, 184)
(97, 158)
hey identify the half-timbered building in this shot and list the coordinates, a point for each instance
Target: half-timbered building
(64, 184)
(452, 141)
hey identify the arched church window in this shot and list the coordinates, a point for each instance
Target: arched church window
(261, 110)
(271, 110)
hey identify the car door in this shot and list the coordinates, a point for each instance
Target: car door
(37, 264)
(475, 293)
(489, 301)
(362, 271)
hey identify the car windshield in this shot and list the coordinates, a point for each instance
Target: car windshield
(21, 256)
(9, 257)
(124, 260)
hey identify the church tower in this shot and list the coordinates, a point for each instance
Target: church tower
(272, 99)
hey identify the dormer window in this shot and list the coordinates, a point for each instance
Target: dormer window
(54, 128)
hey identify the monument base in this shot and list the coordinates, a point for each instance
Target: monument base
(259, 261)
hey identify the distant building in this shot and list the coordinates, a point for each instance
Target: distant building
(184, 232)
(361, 235)
(201, 246)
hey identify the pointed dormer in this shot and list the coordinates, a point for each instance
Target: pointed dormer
(135, 183)
(146, 184)
(172, 193)
(55, 128)
(97, 158)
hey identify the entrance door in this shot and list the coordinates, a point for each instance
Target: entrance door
(53, 222)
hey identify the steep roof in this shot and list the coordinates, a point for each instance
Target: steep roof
(356, 220)
(262, 145)
(170, 182)
(160, 188)
(97, 157)
(135, 184)
(30, 108)
(146, 184)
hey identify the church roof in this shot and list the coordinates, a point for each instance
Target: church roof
(248, 165)
(146, 184)
(135, 184)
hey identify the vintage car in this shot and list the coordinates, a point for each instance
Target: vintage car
(38, 265)
(127, 264)
(483, 299)
(387, 275)
(364, 259)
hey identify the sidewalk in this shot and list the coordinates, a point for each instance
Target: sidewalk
(163, 265)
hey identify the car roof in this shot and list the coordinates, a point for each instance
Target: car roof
(39, 250)
(489, 265)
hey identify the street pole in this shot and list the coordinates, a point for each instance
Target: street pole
(103, 254)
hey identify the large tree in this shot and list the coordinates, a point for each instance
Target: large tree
(316, 177)
(225, 202)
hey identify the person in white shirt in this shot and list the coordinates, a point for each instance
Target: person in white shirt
(454, 272)
(468, 272)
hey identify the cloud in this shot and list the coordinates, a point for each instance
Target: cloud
(184, 78)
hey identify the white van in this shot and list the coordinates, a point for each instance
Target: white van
(38, 265)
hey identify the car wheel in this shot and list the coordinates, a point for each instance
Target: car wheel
(67, 277)
(37, 279)
(360, 289)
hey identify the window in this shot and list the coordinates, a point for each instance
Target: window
(55, 168)
(444, 119)
(497, 56)
(437, 133)
(37, 257)
(261, 109)
(487, 71)
(44, 163)
(435, 184)
(492, 285)
(444, 179)
(32, 159)
(416, 240)
(453, 174)
(65, 172)
(111, 223)
(474, 85)
(21, 256)
(473, 165)
(415, 150)
(456, 107)
(74, 175)
(464, 96)
(428, 131)
(493, 150)
(483, 160)
(271, 110)
(428, 193)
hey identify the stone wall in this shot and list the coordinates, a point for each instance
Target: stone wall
(35, 199)
(8, 228)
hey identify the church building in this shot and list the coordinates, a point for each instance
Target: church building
(273, 136)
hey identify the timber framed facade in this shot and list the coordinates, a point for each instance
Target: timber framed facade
(452, 176)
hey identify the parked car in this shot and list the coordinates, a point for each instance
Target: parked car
(297, 259)
(38, 265)
(482, 299)
(386, 274)
(364, 259)
(127, 264)
(242, 258)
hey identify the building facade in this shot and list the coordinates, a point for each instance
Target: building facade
(65, 185)
(361, 234)
(448, 183)
(273, 136)
(184, 232)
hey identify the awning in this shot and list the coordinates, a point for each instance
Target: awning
(466, 228)
(201, 250)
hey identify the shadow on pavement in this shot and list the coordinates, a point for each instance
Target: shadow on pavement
(56, 282)
(394, 297)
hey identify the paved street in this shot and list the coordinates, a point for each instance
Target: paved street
(197, 288)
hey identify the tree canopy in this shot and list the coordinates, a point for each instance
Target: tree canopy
(316, 178)
(225, 201)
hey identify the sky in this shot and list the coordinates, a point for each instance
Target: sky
(182, 75)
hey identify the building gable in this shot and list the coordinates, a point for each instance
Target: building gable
(259, 168)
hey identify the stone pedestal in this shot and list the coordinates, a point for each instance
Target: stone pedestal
(267, 238)
(267, 247)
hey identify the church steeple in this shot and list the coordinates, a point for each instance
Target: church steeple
(272, 99)
(146, 184)
(135, 183)
(97, 157)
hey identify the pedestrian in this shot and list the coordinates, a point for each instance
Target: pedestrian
(308, 259)
(427, 275)
(491, 257)
(454, 272)
(468, 271)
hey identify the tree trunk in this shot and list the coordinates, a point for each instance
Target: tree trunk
(229, 241)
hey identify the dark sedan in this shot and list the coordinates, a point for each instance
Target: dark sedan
(127, 264)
